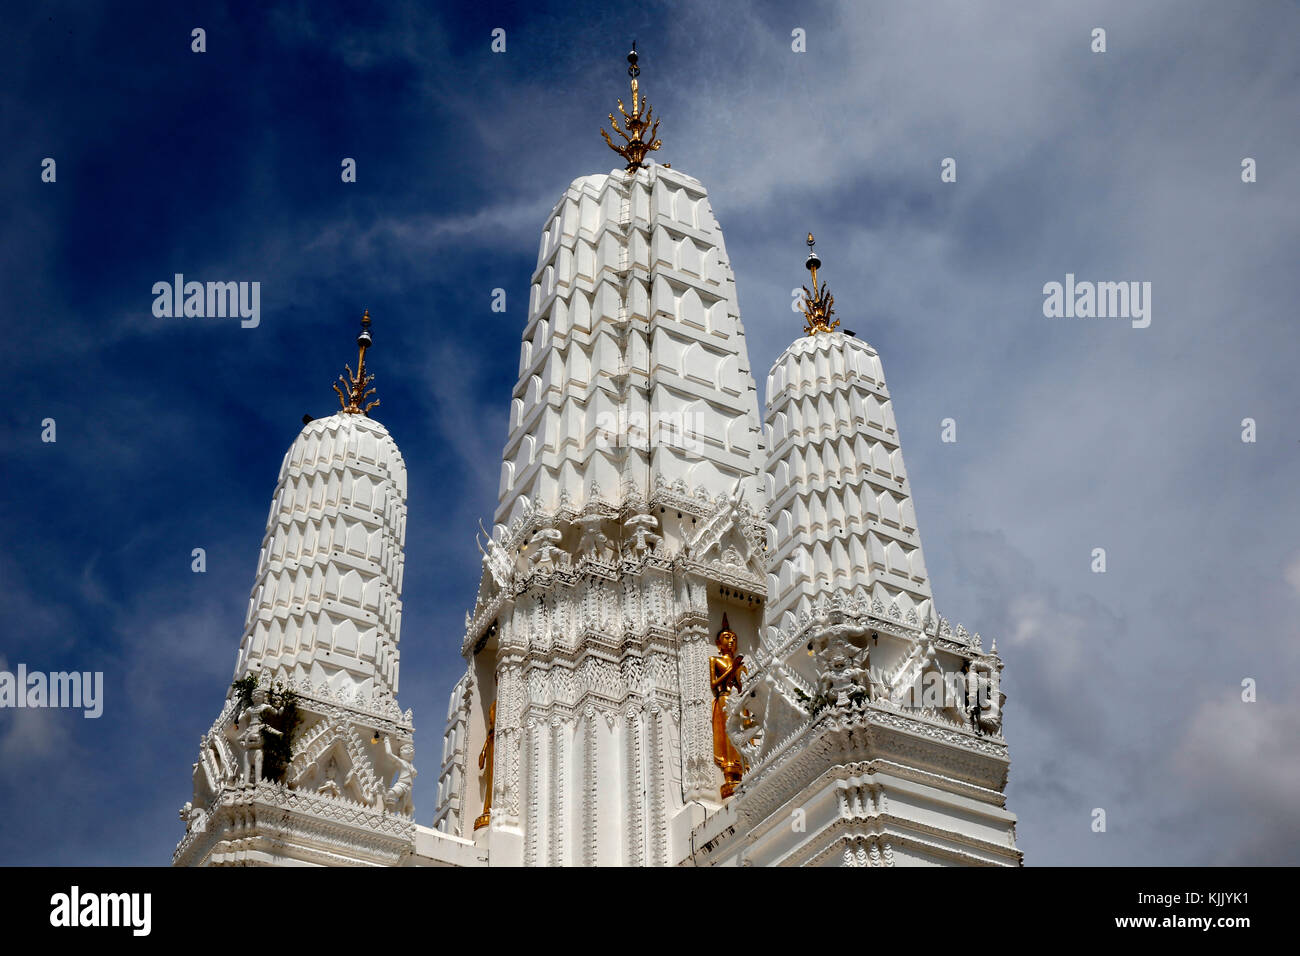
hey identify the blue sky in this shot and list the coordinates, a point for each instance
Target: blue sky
(1123, 688)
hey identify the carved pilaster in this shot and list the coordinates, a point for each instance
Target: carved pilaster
(658, 821)
(510, 707)
(465, 812)
(631, 604)
(558, 817)
(590, 792)
(635, 789)
(532, 835)
(697, 743)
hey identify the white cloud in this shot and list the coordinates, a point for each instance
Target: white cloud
(1292, 574)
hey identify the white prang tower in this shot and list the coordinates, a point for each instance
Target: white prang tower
(625, 531)
(871, 729)
(323, 624)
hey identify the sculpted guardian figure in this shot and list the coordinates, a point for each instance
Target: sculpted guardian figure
(251, 729)
(398, 797)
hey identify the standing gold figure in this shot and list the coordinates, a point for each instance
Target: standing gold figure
(485, 762)
(725, 669)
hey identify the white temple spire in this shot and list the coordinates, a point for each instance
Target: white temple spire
(633, 440)
(887, 735)
(322, 632)
(840, 504)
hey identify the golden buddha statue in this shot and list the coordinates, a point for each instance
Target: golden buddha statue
(725, 669)
(485, 758)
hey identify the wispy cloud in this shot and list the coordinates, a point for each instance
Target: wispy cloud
(1071, 436)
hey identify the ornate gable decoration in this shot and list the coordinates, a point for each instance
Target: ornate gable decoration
(723, 536)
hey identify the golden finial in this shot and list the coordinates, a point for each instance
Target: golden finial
(636, 144)
(356, 388)
(818, 305)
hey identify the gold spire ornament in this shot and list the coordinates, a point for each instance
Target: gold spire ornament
(356, 388)
(635, 142)
(818, 305)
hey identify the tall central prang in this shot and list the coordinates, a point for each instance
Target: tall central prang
(625, 531)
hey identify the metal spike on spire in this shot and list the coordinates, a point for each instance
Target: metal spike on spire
(356, 387)
(818, 305)
(638, 123)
